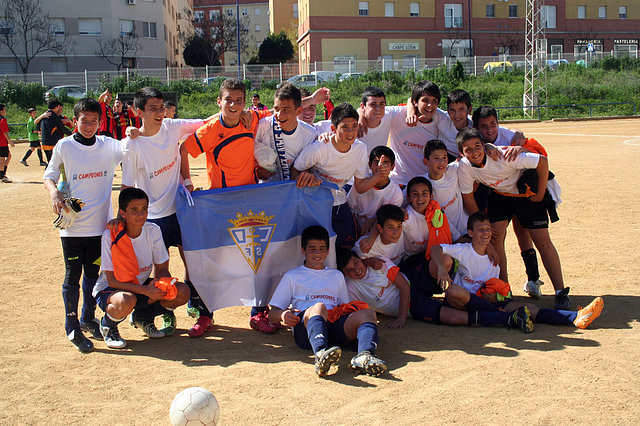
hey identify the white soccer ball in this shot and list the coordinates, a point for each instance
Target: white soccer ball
(194, 406)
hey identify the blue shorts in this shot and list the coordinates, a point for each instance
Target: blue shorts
(170, 230)
(103, 295)
(345, 226)
(335, 331)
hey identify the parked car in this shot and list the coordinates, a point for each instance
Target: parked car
(349, 75)
(213, 80)
(75, 92)
(497, 66)
(325, 75)
(305, 80)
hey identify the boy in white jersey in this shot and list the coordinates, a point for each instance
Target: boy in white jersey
(505, 202)
(129, 255)
(283, 133)
(343, 158)
(151, 162)
(475, 272)
(388, 242)
(365, 205)
(88, 162)
(311, 299)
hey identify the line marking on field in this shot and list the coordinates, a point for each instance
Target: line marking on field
(590, 135)
(632, 142)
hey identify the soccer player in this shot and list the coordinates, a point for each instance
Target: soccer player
(5, 141)
(53, 127)
(107, 122)
(170, 109)
(388, 243)
(34, 136)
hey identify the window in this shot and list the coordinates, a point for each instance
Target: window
(197, 31)
(414, 9)
(513, 11)
(548, 16)
(90, 26)
(295, 10)
(214, 15)
(491, 11)
(602, 12)
(214, 31)
(245, 11)
(389, 9)
(165, 32)
(258, 12)
(198, 16)
(363, 8)
(149, 29)
(229, 12)
(126, 28)
(453, 15)
(6, 26)
(582, 12)
(258, 28)
(57, 26)
(622, 12)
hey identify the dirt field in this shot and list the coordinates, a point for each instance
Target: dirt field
(438, 374)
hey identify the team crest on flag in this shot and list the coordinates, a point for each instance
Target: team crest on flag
(252, 234)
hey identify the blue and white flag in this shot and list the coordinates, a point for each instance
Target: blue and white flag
(238, 242)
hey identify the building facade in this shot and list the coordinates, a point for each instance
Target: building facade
(283, 15)
(155, 24)
(402, 31)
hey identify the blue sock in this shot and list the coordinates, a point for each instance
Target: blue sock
(108, 321)
(477, 303)
(556, 317)
(367, 337)
(88, 302)
(488, 318)
(255, 310)
(70, 297)
(317, 332)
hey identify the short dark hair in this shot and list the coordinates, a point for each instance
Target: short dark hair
(459, 96)
(381, 150)
(288, 91)
(2, 106)
(129, 194)
(483, 112)
(425, 88)
(342, 111)
(416, 180)
(256, 95)
(374, 92)
(466, 134)
(87, 105)
(28, 110)
(389, 212)
(343, 256)
(304, 92)
(141, 96)
(168, 104)
(433, 145)
(53, 103)
(233, 84)
(314, 232)
(475, 218)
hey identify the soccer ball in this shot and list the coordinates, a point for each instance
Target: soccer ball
(194, 406)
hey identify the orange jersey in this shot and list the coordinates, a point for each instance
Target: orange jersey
(229, 151)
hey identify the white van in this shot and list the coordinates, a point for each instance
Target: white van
(325, 75)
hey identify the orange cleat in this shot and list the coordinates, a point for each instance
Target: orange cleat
(587, 314)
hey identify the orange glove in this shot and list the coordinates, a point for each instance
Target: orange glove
(168, 285)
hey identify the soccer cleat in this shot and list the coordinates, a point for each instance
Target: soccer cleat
(562, 300)
(168, 324)
(193, 312)
(112, 337)
(521, 318)
(261, 322)
(81, 343)
(532, 288)
(147, 327)
(587, 314)
(203, 325)
(366, 363)
(43, 164)
(92, 327)
(24, 163)
(6, 179)
(325, 358)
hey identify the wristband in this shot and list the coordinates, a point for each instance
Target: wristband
(188, 182)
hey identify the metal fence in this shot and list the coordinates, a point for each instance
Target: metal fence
(258, 74)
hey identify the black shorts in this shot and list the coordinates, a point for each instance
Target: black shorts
(34, 144)
(530, 215)
(170, 230)
(335, 331)
(4, 151)
(103, 295)
(419, 277)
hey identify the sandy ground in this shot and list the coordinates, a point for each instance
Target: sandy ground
(438, 374)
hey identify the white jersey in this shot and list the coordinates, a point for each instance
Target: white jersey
(473, 269)
(415, 231)
(152, 163)
(393, 251)
(329, 164)
(408, 145)
(149, 248)
(505, 136)
(303, 287)
(89, 171)
(379, 136)
(294, 142)
(323, 126)
(365, 205)
(447, 193)
(447, 132)
(501, 175)
(376, 289)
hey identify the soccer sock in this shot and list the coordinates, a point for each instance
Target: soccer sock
(109, 321)
(488, 318)
(196, 302)
(26, 155)
(1, 174)
(531, 264)
(556, 316)
(88, 302)
(70, 296)
(477, 303)
(367, 337)
(157, 309)
(39, 152)
(317, 333)
(255, 310)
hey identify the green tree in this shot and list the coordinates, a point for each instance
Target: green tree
(275, 48)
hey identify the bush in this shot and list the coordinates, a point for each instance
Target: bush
(23, 94)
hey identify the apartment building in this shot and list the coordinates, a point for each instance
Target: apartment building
(401, 30)
(155, 23)
(283, 15)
